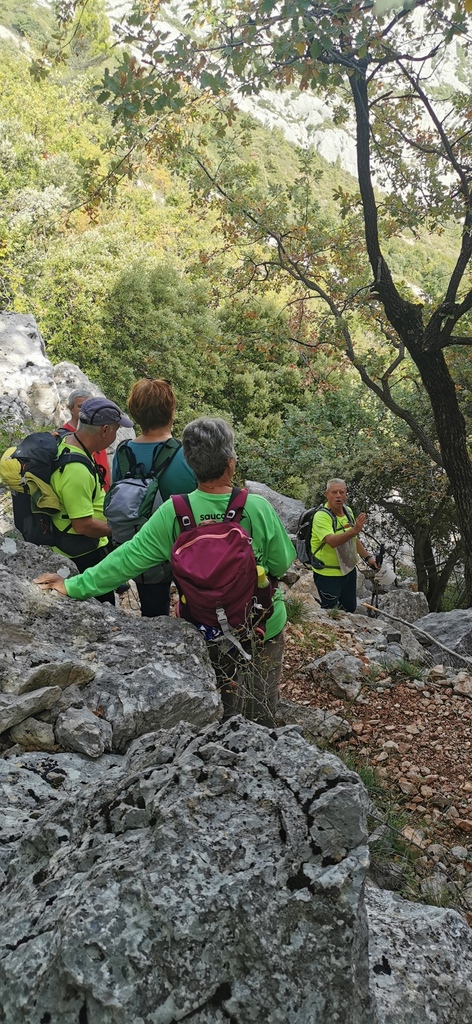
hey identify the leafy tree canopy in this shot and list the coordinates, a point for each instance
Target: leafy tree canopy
(412, 141)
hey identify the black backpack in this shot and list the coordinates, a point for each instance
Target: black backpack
(27, 470)
(303, 536)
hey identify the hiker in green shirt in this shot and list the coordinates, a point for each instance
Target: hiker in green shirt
(208, 446)
(81, 492)
(338, 548)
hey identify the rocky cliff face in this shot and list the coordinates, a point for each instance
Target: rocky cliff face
(34, 393)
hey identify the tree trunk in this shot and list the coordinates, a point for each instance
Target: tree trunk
(451, 431)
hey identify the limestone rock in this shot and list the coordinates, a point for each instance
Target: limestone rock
(340, 673)
(289, 510)
(71, 697)
(143, 674)
(315, 723)
(375, 634)
(30, 783)
(79, 729)
(463, 684)
(304, 585)
(34, 393)
(33, 733)
(19, 675)
(453, 629)
(14, 709)
(410, 605)
(421, 961)
(28, 391)
(168, 893)
(158, 693)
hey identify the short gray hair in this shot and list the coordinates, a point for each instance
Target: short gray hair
(207, 445)
(89, 428)
(78, 393)
(335, 480)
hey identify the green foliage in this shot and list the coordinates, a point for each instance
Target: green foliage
(90, 31)
(382, 68)
(28, 18)
(406, 669)
(296, 609)
(241, 274)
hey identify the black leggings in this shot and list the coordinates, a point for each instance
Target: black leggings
(154, 599)
(93, 558)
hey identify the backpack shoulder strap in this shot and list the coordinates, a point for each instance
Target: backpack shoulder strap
(235, 506)
(183, 511)
(125, 458)
(65, 459)
(162, 456)
(323, 508)
(61, 432)
(346, 511)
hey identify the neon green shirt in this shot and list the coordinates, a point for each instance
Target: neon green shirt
(322, 526)
(153, 544)
(75, 486)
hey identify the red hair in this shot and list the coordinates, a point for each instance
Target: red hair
(152, 403)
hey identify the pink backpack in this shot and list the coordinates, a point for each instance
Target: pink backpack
(215, 570)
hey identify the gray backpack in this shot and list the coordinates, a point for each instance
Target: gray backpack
(131, 501)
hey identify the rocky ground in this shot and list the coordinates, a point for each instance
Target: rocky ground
(410, 736)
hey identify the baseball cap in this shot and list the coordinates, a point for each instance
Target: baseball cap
(99, 411)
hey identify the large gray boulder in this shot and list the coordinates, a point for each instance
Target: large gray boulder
(339, 673)
(31, 783)
(420, 961)
(453, 629)
(208, 872)
(34, 393)
(288, 510)
(136, 674)
(216, 877)
(409, 605)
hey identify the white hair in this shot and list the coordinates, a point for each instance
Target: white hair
(335, 480)
(78, 393)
